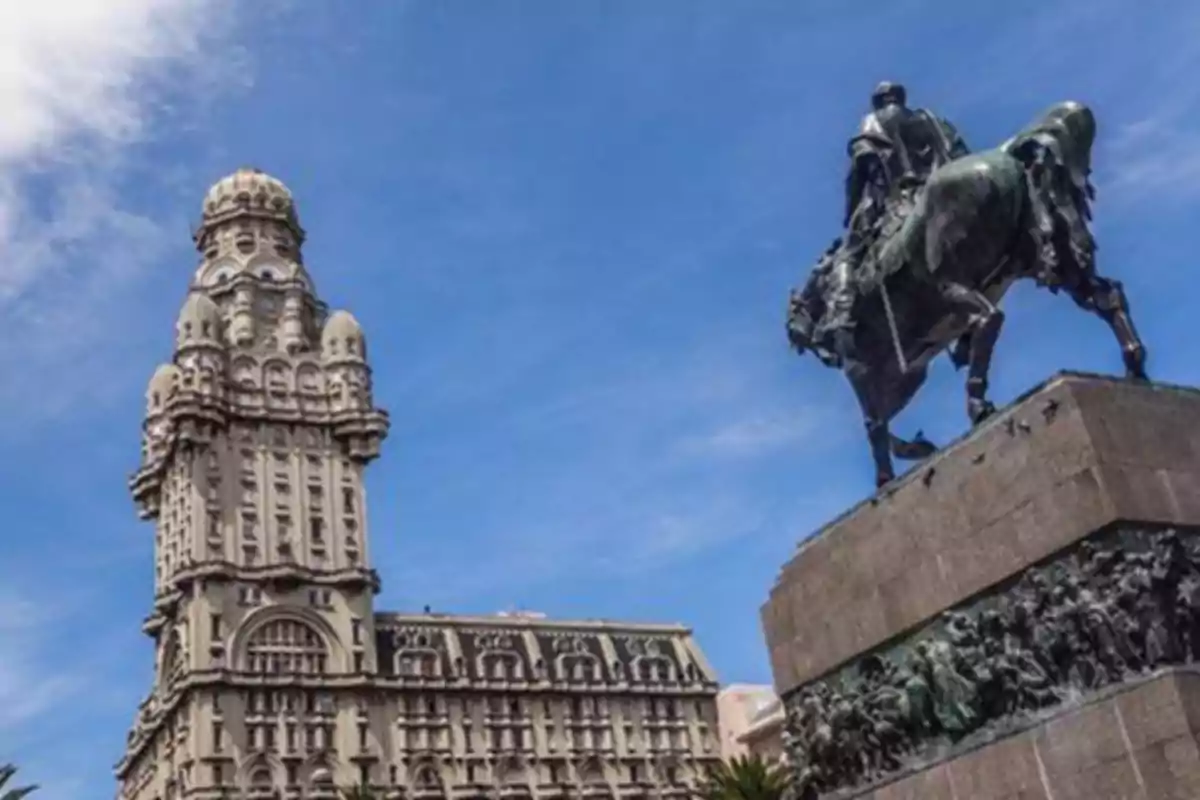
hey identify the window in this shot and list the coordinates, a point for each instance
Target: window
(635, 774)
(286, 646)
(215, 622)
(218, 736)
(348, 500)
(356, 631)
(317, 529)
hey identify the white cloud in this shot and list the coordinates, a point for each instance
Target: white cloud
(759, 434)
(81, 82)
(27, 686)
(1158, 152)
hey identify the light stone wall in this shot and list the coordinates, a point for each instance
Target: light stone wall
(271, 679)
(738, 705)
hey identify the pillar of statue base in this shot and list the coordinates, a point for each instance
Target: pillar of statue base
(1019, 616)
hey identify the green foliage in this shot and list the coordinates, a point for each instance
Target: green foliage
(7, 771)
(744, 778)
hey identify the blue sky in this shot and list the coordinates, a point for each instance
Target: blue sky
(569, 229)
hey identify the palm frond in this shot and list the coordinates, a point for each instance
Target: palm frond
(7, 771)
(744, 778)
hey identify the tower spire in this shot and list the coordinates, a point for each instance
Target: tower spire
(255, 441)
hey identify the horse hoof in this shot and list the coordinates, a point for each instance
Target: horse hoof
(1137, 374)
(979, 410)
(1135, 363)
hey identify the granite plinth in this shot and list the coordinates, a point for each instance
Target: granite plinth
(1074, 456)
(1140, 742)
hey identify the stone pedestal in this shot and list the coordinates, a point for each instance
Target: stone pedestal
(1138, 743)
(1047, 521)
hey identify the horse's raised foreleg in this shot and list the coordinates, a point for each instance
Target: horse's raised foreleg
(1106, 298)
(985, 321)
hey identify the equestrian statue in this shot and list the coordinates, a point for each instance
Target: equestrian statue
(934, 237)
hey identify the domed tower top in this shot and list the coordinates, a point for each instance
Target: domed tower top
(249, 193)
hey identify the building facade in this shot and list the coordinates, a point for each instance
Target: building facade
(751, 721)
(275, 677)
(764, 737)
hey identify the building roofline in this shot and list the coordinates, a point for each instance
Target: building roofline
(748, 687)
(526, 622)
(763, 724)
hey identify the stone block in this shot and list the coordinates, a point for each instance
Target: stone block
(1139, 743)
(1076, 455)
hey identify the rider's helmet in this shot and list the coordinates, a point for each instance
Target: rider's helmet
(888, 93)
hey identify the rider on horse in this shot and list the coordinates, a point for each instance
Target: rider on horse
(893, 154)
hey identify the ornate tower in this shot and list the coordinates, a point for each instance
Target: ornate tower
(276, 679)
(256, 437)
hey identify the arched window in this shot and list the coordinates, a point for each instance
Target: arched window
(591, 773)
(426, 777)
(286, 646)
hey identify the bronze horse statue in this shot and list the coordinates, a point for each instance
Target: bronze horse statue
(980, 223)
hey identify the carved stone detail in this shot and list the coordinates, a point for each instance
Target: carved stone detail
(1116, 607)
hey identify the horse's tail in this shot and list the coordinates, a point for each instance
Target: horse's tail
(801, 320)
